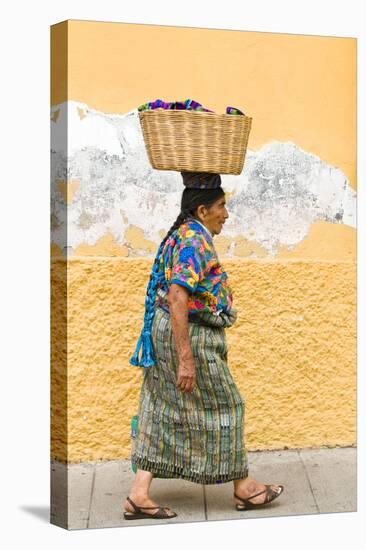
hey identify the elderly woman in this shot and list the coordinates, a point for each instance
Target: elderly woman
(191, 414)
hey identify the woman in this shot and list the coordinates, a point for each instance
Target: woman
(191, 414)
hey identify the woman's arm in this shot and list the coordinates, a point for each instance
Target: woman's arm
(178, 308)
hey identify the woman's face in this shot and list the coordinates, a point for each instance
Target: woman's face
(213, 217)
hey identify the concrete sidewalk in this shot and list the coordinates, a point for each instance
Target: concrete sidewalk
(90, 495)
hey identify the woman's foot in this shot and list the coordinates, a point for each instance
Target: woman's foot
(247, 487)
(142, 501)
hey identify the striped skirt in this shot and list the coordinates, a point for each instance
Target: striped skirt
(196, 436)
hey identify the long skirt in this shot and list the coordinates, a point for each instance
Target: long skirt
(196, 436)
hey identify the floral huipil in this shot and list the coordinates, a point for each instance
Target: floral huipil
(189, 259)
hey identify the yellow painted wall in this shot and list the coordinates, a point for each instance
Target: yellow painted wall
(292, 351)
(296, 87)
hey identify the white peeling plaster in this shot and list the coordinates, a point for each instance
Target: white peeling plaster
(281, 192)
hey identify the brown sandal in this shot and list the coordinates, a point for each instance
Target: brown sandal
(160, 514)
(270, 495)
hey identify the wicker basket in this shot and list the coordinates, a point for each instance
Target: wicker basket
(195, 141)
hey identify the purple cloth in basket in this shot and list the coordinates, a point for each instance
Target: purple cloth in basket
(188, 105)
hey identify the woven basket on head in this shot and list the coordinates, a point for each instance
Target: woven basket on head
(195, 141)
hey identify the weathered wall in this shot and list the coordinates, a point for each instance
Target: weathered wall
(288, 245)
(118, 205)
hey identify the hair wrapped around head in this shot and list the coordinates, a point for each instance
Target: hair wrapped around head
(201, 180)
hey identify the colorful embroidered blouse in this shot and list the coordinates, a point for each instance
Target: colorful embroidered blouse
(189, 259)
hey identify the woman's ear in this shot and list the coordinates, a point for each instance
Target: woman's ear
(201, 211)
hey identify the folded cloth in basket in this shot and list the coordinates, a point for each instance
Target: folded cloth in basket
(188, 104)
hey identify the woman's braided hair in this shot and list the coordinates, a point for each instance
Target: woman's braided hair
(191, 199)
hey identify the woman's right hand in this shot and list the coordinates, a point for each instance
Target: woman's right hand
(178, 307)
(186, 379)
